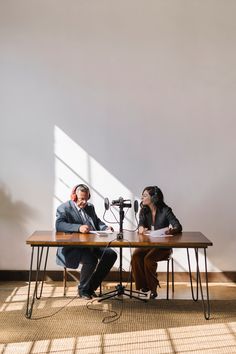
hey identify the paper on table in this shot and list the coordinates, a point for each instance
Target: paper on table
(104, 232)
(159, 232)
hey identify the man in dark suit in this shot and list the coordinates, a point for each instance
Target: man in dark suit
(77, 215)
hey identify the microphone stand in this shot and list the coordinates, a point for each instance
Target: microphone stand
(120, 288)
(122, 215)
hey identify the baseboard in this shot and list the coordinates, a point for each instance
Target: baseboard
(57, 275)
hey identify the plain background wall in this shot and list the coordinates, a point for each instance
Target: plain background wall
(146, 88)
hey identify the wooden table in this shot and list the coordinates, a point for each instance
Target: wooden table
(43, 240)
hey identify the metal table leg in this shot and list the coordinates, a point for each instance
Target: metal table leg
(205, 302)
(44, 273)
(29, 306)
(195, 298)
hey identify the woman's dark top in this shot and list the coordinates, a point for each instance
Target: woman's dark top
(164, 218)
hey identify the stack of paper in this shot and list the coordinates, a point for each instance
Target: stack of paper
(158, 233)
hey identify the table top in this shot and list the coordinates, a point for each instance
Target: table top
(186, 239)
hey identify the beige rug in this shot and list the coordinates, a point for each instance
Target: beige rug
(69, 322)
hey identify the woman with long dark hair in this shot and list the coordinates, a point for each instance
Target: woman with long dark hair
(154, 215)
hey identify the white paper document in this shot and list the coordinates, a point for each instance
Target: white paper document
(101, 233)
(158, 233)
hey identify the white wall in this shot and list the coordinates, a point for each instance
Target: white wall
(145, 88)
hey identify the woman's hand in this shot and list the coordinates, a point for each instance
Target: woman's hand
(142, 230)
(170, 231)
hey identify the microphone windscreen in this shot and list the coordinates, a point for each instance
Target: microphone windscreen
(106, 203)
(135, 206)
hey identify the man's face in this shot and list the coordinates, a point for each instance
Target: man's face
(82, 198)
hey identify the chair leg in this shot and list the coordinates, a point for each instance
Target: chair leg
(167, 281)
(100, 290)
(168, 277)
(64, 280)
(131, 281)
(172, 275)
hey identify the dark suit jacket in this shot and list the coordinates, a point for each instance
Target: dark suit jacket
(164, 217)
(69, 220)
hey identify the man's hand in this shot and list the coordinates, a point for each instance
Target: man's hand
(84, 229)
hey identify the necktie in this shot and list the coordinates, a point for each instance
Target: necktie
(87, 220)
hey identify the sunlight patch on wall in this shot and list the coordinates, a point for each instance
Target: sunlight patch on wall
(73, 165)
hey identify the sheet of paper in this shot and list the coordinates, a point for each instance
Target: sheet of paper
(158, 233)
(104, 232)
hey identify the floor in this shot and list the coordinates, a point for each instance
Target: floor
(207, 338)
(217, 291)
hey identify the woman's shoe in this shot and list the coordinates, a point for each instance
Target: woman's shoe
(153, 295)
(144, 293)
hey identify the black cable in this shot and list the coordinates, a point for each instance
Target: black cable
(117, 221)
(77, 294)
(136, 227)
(56, 312)
(115, 315)
(129, 271)
(111, 210)
(109, 222)
(112, 222)
(101, 259)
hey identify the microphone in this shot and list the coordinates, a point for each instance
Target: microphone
(117, 201)
(121, 203)
(136, 206)
(106, 203)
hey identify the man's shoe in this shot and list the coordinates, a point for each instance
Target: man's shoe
(93, 294)
(153, 295)
(84, 295)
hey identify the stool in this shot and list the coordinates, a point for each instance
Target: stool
(65, 273)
